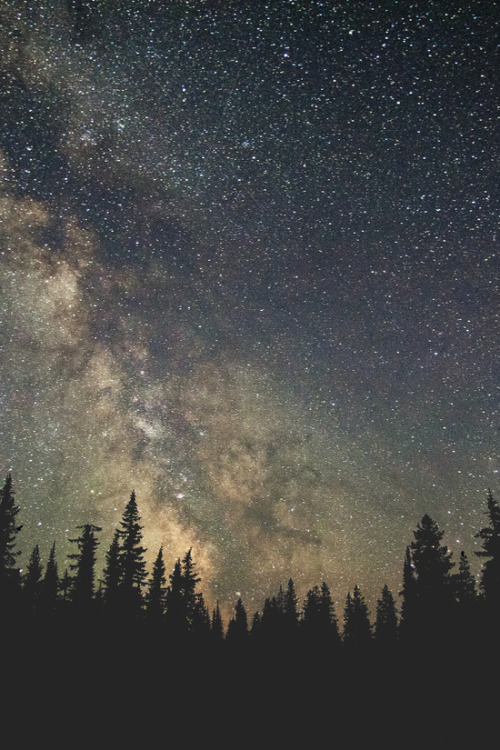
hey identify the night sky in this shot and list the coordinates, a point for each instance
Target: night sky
(249, 268)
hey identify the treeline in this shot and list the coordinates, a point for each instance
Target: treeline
(439, 602)
(129, 655)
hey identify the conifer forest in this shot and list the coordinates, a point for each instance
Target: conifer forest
(143, 648)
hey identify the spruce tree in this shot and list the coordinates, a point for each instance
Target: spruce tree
(327, 618)
(409, 608)
(216, 625)
(290, 614)
(190, 580)
(9, 529)
(237, 629)
(490, 574)
(464, 583)
(112, 576)
(50, 586)
(65, 586)
(32, 582)
(83, 566)
(175, 617)
(200, 621)
(272, 621)
(431, 559)
(386, 620)
(255, 627)
(311, 617)
(155, 597)
(432, 565)
(132, 562)
(357, 628)
(319, 623)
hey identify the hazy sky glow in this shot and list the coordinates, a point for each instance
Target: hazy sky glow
(249, 268)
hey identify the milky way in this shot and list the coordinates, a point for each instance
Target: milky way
(249, 269)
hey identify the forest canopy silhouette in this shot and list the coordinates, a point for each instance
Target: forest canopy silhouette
(438, 598)
(123, 623)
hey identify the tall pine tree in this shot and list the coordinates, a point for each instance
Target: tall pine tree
(132, 561)
(83, 566)
(111, 577)
(50, 587)
(237, 629)
(433, 584)
(490, 574)
(32, 583)
(386, 620)
(9, 571)
(155, 597)
(357, 627)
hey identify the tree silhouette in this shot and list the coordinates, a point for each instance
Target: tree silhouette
(311, 616)
(65, 586)
(84, 567)
(155, 597)
(131, 559)
(490, 538)
(464, 583)
(9, 529)
(407, 624)
(190, 580)
(175, 618)
(50, 586)
(200, 620)
(216, 625)
(432, 565)
(112, 576)
(386, 620)
(319, 623)
(327, 617)
(237, 629)
(32, 582)
(357, 628)
(290, 613)
(441, 615)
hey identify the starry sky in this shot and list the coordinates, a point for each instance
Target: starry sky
(249, 268)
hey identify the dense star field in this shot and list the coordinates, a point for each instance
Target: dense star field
(249, 269)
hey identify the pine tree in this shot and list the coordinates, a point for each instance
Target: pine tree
(386, 621)
(327, 618)
(431, 560)
(357, 628)
(132, 562)
(466, 627)
(190, 580)
(290, 614)
(155, 597)
(216, 625)
(407, 624)
(9, 529)
(84, 566)
(311, 617)
(112, 576)
(237, 629)
(200, 621)
(255, 628)
(32, 582)
(490, 538)
(273, 620)
(50, 586)
(175, 618)
(464, 583)
(65, 586)
(432, 565)
(319, 623)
